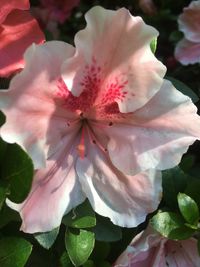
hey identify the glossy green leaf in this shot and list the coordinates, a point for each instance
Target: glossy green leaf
(14, 252)
(18, 171)
(153, 45)
(173, 181)
(106, 231)
(65, 260)
(192, 190)
(183, 88)
(188, 208)
(187, 162)
(8, 215)
(79, 245)
(166, 223)
(89, 263)
(47, 239)
(101, 251)
(82, 216)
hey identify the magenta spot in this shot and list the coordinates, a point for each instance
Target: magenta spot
(94, 95)
(90, 83)
(114, 91)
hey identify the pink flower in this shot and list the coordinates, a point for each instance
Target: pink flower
(52, 12)
(18, 30)
(98, 121)
(150, 249)
(59, 10)
(148, 7)
(188, 49)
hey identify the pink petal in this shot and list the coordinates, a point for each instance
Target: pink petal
(31, 105)
(126, 200)
(7, 6)
(183, 253)
(17, 33)
(118, 45)
(155, 136)
(55, 191)
(145, 250)
(189, 22)
(149, 249)
(187, 52)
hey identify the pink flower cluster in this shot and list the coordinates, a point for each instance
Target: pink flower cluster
(18, 30)
(188, 49)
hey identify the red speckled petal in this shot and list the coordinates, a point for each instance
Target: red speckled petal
(118, 46)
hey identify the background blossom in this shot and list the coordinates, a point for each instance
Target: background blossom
(51, 13)
(18, 30)
(188, 49)
(149, 249)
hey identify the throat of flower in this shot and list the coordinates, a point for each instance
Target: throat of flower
(81, 145)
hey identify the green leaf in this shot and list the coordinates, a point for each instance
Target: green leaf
(3, 146)
(183, 88)
(153, 45)
(82, 216)
(65, 260)
(89, 263)
(173, 182)
(3, 194)
(175, 36)
(181, 233)
(46, 240)
(166, 223)
(187, 162)
(188, 208)
(7, 215)
(14, 252)
(106, 231)
(103, 264)
(18, 170)
(192, 190)
(79, 245)
(101, 251)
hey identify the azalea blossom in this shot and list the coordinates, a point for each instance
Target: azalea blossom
(150, 249)
(188, 49)
(59, 10)
(18, 30)
(148, 7)
(53, 12)
(98, 121)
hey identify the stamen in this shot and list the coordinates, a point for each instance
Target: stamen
(81, 146)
